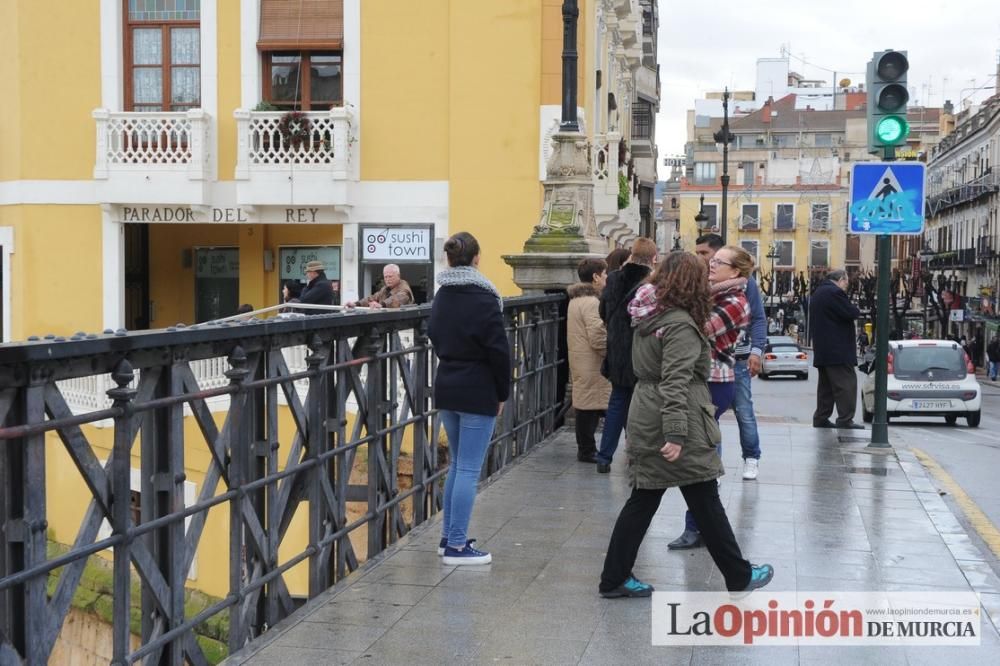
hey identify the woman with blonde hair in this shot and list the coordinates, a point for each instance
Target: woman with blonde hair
(672, 430)
(728, 271)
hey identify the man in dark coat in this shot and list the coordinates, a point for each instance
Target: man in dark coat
(318, 289)
(618, 291)
(831, 319)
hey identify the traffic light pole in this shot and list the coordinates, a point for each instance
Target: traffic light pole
(880, 424)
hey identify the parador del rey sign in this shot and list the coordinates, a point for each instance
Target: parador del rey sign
(212, 215)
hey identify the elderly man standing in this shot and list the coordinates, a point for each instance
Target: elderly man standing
(396, 292)
(831, 321)
(318, 289)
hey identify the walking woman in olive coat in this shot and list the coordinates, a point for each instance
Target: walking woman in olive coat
(672, 432)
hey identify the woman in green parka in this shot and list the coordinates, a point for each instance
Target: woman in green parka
(672, 432)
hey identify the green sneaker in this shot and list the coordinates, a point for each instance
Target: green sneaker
(759, 577)
(632, 587)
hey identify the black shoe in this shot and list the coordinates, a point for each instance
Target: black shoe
(686, 541)
(587, 457)
(823, 424)
(603, 468)
(850, 425)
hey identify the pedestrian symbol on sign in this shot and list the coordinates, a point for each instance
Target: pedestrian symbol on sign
(887, 198)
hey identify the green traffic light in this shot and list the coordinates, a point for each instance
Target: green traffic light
(891, 129)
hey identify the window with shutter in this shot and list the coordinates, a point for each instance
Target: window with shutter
(301, 46)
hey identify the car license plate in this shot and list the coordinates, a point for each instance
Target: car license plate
(932, 404)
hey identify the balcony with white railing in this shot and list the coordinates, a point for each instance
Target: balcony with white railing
(605, 174)
(152, 157)
(294, 159)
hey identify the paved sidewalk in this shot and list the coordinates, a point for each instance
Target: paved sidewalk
(826, 512)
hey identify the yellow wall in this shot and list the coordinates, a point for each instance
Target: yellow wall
(404, 89)
(494, 187)
(59, 86)
(10, 65)
(56, 279)
(171, 286)
(228, 36)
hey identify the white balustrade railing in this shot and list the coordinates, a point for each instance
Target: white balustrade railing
(313, 140)
(88, 394)
(165, 141)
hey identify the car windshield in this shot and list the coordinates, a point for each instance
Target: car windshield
(784, 348)
(929, 363)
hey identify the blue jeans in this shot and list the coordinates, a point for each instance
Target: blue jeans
(469, 438)
(743, 408)
(993, 370)
(614, 422)
(722, 397)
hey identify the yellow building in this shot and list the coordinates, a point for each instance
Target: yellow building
(165, 161)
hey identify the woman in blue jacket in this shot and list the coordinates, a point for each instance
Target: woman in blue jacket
(473, 381)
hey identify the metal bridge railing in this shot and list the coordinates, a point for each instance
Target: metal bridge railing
(368, 397)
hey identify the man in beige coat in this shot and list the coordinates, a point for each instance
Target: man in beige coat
(587, 341)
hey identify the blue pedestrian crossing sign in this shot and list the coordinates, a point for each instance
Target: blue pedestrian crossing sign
(887, 198)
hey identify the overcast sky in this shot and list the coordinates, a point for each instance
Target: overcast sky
(704, 46)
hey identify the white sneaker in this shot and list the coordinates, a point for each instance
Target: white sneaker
(750, 469)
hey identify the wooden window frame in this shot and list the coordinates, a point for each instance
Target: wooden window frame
(305, 72)
(165, 59)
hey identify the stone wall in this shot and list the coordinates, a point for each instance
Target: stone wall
(85, 639)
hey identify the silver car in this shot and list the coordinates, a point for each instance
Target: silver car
(783, 356)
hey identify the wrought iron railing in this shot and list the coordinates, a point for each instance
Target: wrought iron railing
(265, 478)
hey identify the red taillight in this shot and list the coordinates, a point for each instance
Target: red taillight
(968, 395)
(894, 395)
(801, 357)
(889, 368)
(968, 364)
(770, 357)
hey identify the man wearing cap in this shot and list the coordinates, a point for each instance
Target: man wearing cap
(318, 290)
(396, 292)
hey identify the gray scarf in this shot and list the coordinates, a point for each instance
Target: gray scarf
(463, 275)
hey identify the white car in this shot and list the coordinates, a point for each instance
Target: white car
(927, 378)
(783, 356)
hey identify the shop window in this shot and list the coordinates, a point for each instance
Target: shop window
(162, 55)
(293, 262)
(301, 46)
(216, 283)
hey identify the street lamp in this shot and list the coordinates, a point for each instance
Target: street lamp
(724, 136)
(772, 254)
(925, 255)
(700, 219)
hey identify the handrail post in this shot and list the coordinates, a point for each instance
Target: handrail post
(319, 562)
(121, 510)
(238, 457)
